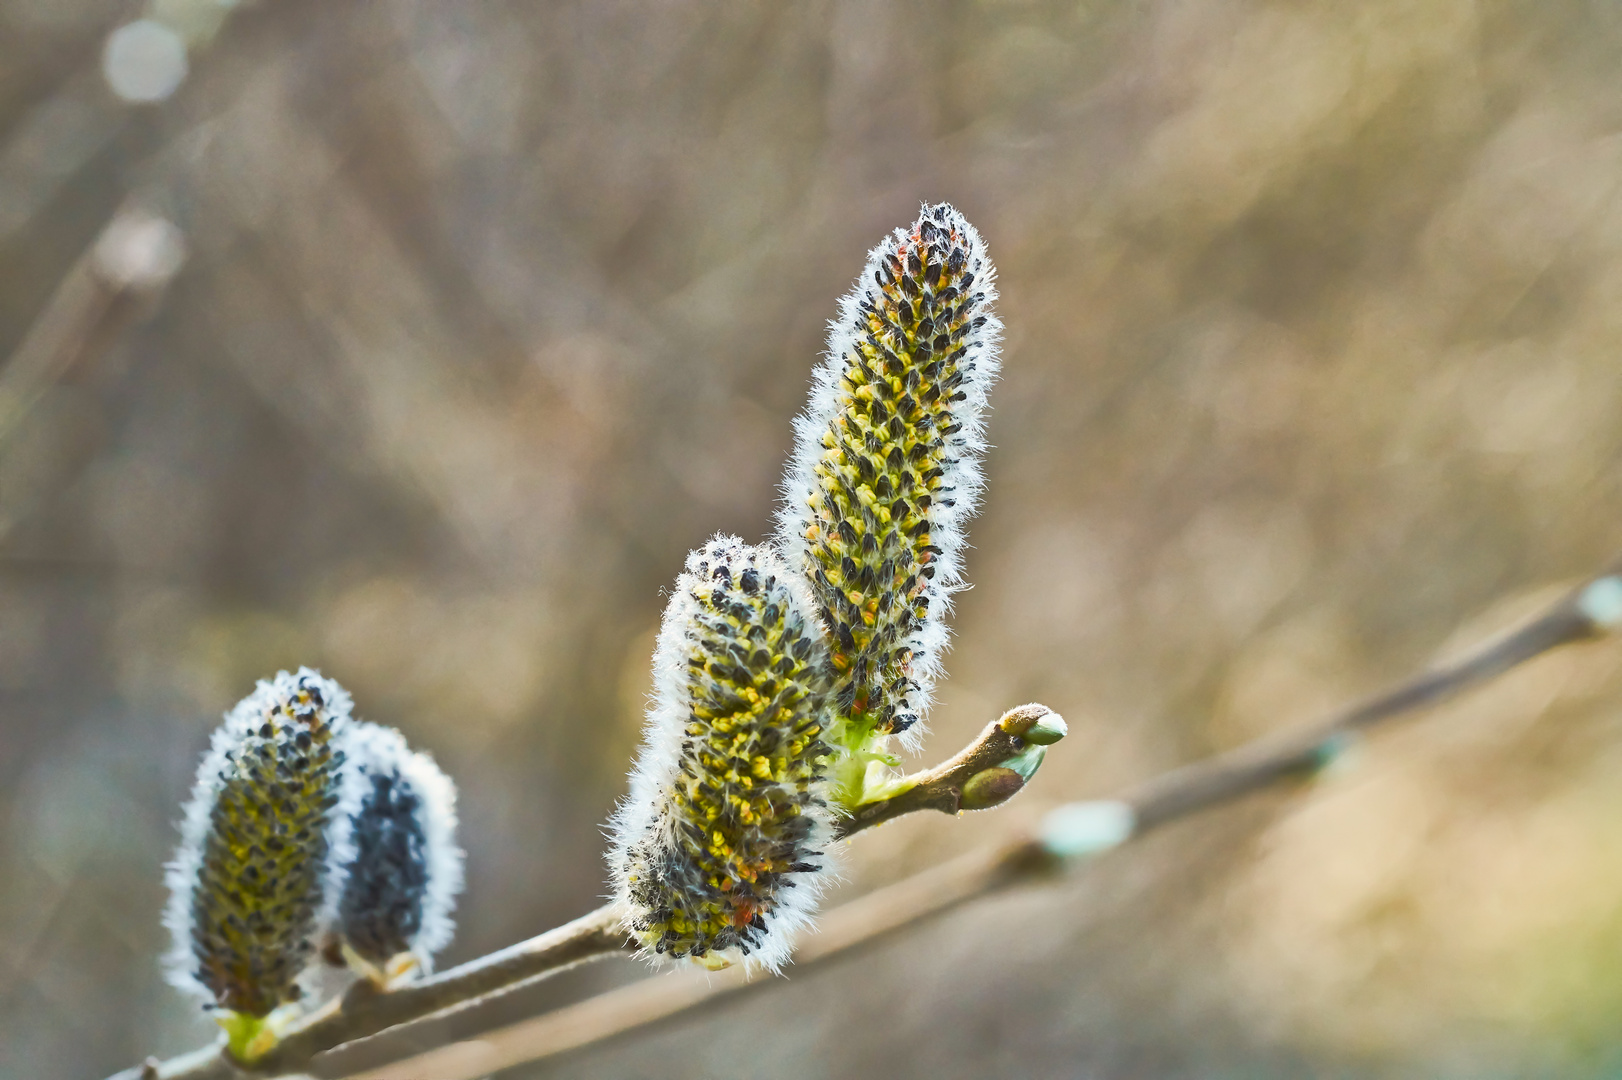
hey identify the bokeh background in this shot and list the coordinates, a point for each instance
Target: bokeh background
(490, 312)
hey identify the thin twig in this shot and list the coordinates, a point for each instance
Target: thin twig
(107, 289)
(364, 1011)
(1589, 611)
(1592, 610)
(942, 787)
(928, 893)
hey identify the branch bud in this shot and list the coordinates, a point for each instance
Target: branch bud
(991, 787)
(1034, 724)
(996, 785)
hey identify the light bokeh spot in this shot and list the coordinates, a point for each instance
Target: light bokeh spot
(1086, 828)
(144, 61)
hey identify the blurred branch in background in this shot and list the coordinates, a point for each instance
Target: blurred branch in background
(115, 284)
(1071, 833)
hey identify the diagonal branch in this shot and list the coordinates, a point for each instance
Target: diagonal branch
(364, 1011)
(615, 1012)
(1592, 610)
(1071, 832)
(977, 778)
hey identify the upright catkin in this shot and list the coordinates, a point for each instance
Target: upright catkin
(720, 851)
(886, 467)
(250, 883)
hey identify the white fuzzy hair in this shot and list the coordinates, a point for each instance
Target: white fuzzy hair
(373, 749)
(947, 523)
(659, 758)
(240, 727)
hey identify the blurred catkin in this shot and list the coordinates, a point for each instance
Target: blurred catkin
(886, 468)
(250, 882)
(718, 853)
(399, 887)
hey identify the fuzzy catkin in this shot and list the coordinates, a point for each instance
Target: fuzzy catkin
(719, 852)
(249, 884)
(399, 886)
(886, 470)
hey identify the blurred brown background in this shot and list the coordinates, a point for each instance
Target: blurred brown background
(492, 311)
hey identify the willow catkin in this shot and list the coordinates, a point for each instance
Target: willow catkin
(886, 470)
(399, 886)
(719, 852)
(249, 884)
